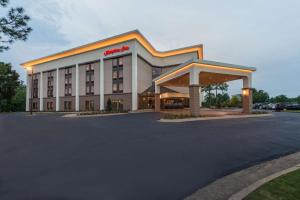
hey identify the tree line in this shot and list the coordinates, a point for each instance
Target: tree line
(13, 27)
(216, 95)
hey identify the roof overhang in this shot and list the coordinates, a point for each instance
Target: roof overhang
(132, 35)
(205, 66)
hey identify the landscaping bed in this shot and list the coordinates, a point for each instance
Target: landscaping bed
(101, 112)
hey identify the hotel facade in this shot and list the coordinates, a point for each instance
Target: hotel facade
(130, 72)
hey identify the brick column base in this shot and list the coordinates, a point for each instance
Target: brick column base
(247, 100)
(194, 100)
(157, 102)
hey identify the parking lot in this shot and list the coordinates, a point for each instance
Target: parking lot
(132, 156)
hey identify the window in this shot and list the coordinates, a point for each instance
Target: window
(92, 89)
(68, 81)
(89, 78)
(49, 105)
(156, 71)
(115, 88)
(89, 105)
(67, 105)
(50, 84)
(117, 75)
(35, 105)
(68, 70)
(117, 104)
(120, 87)
(35, 86)
(120, 73)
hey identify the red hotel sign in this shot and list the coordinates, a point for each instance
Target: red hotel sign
(116, 50)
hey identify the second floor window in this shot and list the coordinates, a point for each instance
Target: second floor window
(117, 75)
(50, 84)
(68, 81)
(35, 86)
(89, 78)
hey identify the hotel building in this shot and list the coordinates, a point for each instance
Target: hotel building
(130, 72)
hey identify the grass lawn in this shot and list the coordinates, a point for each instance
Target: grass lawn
(286, 187)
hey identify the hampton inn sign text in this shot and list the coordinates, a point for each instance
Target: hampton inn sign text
(116, 50)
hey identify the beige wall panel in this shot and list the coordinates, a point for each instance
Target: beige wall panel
(97, 78)
(127, 74)
(82, 80)
(45, 84)
(107, 76)
(144, 75)
(73, 81)
(54, 83)
(62, 82)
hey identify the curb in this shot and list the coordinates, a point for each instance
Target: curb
(238, 185)
(213, 118)
(96, 115)
(246, 191)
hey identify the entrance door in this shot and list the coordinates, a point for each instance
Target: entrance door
(147, 102)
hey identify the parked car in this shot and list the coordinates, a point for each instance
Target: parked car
(292, 107)
(278, 107)
(174, 106)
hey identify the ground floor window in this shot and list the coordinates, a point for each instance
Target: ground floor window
(147, 102)
(35, 105)
(49, 105)
(175, 103)
(117, 104)
(89, 105)
(68, 105)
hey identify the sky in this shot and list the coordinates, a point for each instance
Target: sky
(260, 33)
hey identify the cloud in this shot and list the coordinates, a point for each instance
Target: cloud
(264, 34)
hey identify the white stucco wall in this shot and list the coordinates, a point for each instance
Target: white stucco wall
(144, 75)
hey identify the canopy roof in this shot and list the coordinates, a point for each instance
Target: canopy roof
(206, 63)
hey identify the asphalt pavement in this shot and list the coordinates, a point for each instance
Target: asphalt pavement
(131, 157)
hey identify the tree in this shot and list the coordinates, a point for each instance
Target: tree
(236, 101)
(280, 99)
(216, 99)
(260, 96)
(298, 99)
(19, 99)
(223, 87)
(209, 96)
(9, 81)
(219, 98)
(109, 105)
(223, 100)
(14, 26)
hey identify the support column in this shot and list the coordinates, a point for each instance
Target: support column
(41, 92)
(134, 80)
(77, 88)
(157, 98)
(194, 100)
(102, 103)
(194, 91)
(57, 89)
(200, 97)
(247, 95)
(28, 94)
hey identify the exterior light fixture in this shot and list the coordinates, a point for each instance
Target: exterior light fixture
(245, 91)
